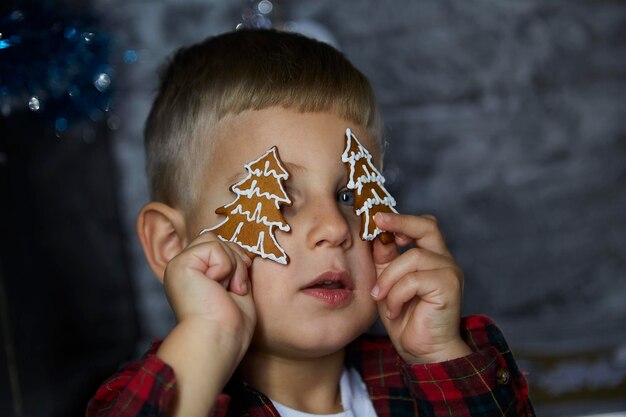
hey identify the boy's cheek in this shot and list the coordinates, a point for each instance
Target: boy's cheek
(367, 248)
(365, 261)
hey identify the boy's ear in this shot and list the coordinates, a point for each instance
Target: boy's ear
(162, 233)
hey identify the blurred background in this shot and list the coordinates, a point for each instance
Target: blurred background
(505, 119)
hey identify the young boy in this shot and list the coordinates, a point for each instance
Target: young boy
(254, 337)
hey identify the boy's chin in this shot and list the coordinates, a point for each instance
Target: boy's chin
(304, 352)
(315, 341)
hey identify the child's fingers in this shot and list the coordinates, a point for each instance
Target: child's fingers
(204, 260)
(231, 248)
(208, 256)
(239, 283)
(413, 260)
(437, 287)
(220, 261)
(241, 252)
(204, 236)
(207, 235)
(423, 229)
(402, 240)
(383, 253)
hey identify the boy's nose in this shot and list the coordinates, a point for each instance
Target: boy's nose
(329, 227)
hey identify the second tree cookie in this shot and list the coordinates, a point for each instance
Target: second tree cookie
(370, 194)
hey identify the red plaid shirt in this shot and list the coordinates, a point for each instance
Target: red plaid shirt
(485, 383)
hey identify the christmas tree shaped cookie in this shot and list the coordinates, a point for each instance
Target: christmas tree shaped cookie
(252, 218)
(370, 195)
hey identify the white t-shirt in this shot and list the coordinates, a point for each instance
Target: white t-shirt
(354, 399)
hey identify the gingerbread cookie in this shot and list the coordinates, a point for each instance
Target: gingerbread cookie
(370, 195)
(252, 218)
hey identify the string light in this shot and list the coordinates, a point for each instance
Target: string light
(257, 15)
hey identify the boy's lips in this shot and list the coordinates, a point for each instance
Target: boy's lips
(332, 280)
(334, 288)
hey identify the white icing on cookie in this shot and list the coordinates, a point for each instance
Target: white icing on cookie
(251, 193)
(370, 179)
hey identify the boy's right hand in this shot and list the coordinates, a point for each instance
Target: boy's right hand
(209, 280)
(209, 290)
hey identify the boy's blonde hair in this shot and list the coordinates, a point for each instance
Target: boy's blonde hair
(238, 71)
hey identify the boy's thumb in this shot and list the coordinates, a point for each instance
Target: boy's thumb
(384, 253)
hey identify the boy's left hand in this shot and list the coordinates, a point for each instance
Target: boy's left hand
(419, 292)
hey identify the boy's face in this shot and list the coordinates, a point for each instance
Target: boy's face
(296, 318)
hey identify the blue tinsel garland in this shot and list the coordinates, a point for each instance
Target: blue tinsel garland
(54, 62)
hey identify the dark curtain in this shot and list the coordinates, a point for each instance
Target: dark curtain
(68, 319)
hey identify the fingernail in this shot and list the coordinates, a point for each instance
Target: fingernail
(380, 217)
(244, 287)
(375, 291)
